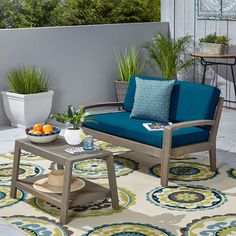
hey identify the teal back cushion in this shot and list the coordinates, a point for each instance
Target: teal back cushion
(190, 101)
(152, 99)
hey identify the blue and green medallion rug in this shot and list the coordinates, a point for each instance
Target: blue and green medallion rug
(196, 202)
(216, 225)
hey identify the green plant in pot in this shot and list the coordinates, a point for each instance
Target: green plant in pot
(167, 54)
(214, 44)
(29, 99)
(130, 63)
(74, 134)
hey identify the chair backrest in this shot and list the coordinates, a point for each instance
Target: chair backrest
(190, 101)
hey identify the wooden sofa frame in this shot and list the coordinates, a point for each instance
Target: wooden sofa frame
(166, 152)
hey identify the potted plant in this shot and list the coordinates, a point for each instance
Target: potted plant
(74, 134)
(29, 99)
(214, 44)
(129, 63)
(168, 54)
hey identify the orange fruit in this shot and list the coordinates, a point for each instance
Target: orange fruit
(47, 129)
(37, 127)
(37, 132)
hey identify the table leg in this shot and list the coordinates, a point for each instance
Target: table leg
(232, 70)
(15, 170)
(112, 182)
(66, 193)
(204, 74)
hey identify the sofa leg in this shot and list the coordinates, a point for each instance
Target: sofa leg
(165, 156)
(165, 169)
(212, 154)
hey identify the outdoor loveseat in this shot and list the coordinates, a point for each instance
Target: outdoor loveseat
(195, 111)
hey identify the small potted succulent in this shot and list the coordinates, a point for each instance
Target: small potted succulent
(74, 134)
(29, 99)
(214, 44)
(129, 63)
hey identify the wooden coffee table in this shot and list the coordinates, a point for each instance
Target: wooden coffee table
(55, 152)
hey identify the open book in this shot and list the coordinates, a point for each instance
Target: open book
(156, 126)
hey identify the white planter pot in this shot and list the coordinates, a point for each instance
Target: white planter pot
(74, 136)
(25, 110)
(213, 48)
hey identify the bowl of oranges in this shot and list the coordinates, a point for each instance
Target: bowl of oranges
(42, 133)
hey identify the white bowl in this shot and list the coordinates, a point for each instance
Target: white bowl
(43, 138)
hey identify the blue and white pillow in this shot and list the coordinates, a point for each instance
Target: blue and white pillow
(152, 99)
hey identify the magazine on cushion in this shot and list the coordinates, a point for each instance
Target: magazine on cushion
(158, 126)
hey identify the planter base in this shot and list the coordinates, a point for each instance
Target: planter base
(121, 90)
(213, 48)
(15, 125)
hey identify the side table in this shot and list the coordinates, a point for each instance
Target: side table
(204, 62)
(55, 152)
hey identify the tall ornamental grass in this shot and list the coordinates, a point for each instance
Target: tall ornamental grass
(129, 63)
(28, 80)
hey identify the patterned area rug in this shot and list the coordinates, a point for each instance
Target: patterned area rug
(196, 202)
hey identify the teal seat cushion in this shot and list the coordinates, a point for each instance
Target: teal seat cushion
(190, 101)
(152, 99)
(120, 124)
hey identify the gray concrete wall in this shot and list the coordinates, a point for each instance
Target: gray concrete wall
(80, 60)
(182, 18)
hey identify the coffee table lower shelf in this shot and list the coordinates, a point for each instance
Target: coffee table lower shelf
(91, 192)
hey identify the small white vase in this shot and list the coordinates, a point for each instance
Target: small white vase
(74, 136)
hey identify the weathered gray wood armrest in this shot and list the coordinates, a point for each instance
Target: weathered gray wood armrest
(167, 137)
(170, 128)
(189, 124)
(107, 104)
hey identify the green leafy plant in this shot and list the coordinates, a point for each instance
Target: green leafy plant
(168, 54)
(213, 38)
(73, 116)
(28, 80)
(41, 13)
(130, 63)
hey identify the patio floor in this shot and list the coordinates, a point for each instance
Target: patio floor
(226, 140)
(145, 205)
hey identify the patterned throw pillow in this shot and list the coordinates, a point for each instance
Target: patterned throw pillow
(152, 99)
